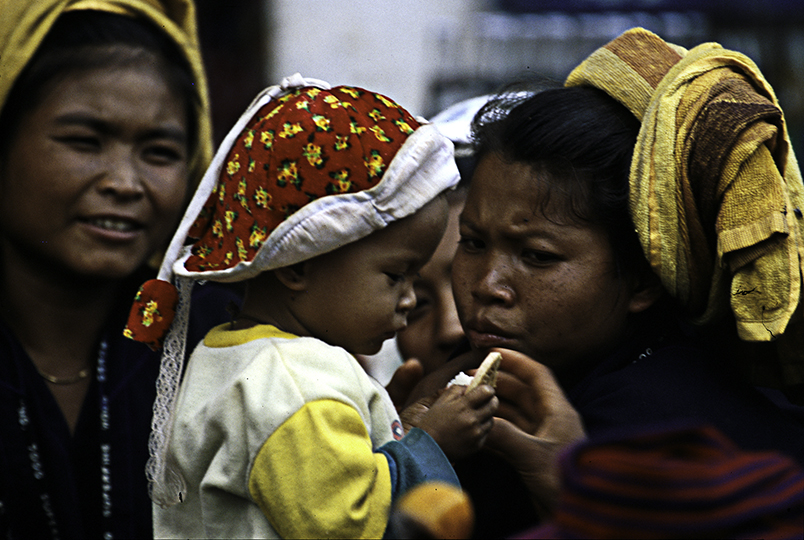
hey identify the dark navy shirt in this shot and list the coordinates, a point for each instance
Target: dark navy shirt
(72, 464)
(663, 376)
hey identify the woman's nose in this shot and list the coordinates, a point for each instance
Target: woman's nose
(491, 284)
(121, 177)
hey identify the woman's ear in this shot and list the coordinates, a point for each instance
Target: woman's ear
(293, 277)
(647, 291)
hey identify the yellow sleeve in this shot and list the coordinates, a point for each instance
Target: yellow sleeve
(317, 476)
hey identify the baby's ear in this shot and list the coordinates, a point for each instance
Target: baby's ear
(647, 291)
(293, 277)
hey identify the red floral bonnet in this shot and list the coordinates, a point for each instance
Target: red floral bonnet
(301, 176)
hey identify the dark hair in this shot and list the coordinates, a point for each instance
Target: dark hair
(84, 40)
(580, 141)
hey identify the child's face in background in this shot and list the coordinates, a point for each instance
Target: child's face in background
(360, 295)
(434, 330)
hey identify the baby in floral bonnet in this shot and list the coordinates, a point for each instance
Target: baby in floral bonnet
(326, 202)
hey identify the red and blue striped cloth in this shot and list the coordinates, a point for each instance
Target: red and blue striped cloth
(689, 482)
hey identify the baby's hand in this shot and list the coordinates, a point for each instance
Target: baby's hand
(459, 421)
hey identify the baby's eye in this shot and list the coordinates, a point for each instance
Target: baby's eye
(395, 277)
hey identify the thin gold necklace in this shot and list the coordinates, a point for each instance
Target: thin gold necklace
(83, 374)
(40, 472)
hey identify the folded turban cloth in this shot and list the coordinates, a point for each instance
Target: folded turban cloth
(716, 192)
(682, 482)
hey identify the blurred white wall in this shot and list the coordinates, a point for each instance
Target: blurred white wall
(388, 46)
(443, 50)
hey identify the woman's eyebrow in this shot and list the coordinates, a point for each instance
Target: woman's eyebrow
(523, 230)
(82, 119)
(530, 230)
(176, 134)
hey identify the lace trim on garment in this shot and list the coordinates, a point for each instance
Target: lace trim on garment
(165, 484)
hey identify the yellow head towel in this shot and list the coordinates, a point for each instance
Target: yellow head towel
(25, 23)
(716, 193)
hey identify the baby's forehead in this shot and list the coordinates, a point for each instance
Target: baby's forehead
(367, 254)
(404, 243)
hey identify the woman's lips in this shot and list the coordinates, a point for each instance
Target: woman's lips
(114, 224)
(485, 337)
(113, 227)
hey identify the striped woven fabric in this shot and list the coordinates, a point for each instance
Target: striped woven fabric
(686, 482)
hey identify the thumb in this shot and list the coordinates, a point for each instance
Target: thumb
(411, 416)
(562, 423)
(559, 419)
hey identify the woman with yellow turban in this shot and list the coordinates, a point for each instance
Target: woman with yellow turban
(105, 130)
(639, 233)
